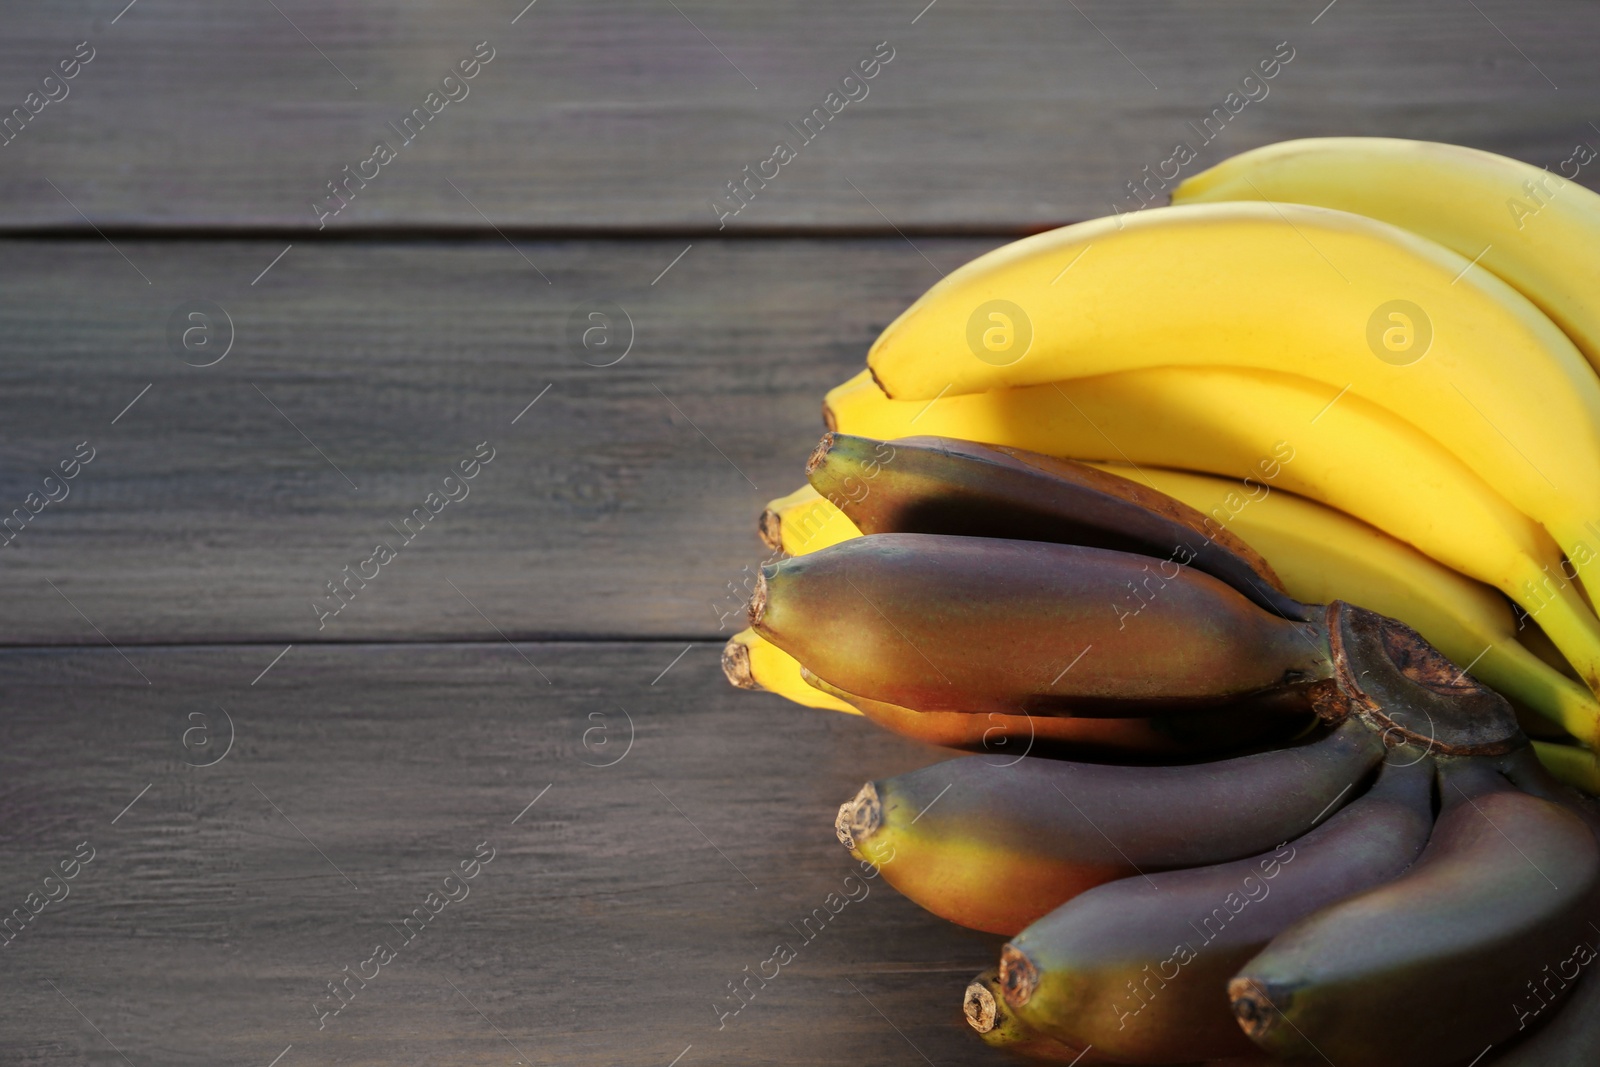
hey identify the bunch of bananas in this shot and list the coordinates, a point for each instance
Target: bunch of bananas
(1100, 512)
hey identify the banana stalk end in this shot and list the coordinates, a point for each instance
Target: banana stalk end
(980, 1008)
(819, 455)
(859, 817)
(1019, 976)
(736, 665)
(1253, 1008)
(770, 529)
(758, 599)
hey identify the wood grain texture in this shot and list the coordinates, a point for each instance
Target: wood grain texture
(622, 503)
(619, 906)
(628, 114)
(207, 923)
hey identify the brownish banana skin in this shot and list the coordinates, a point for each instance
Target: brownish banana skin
(997, 847)
(940, 622)
(1138, 969)
(1531, 776)
(1430, 968)
(950, 486)
(994, 1021)
(1559, 1033)
(998, 1027)
(1570, 1036)
(1157, 739)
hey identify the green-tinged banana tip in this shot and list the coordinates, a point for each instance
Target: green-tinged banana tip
(979, 1007)
(819, 455)
(736, 665)
(859, 817)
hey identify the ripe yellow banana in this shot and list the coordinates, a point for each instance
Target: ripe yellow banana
(804, 522)
(751, 662)
(1571, 765)
(1532, 227)
(1324, 555)
(1285, 288)
(1282, 431)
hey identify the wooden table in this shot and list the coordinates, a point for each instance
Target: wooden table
(253, 392)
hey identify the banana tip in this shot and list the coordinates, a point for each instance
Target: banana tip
(736, 665)
(859, 817)
(819, 455)
(758, 599)
(1019, 976)
(980, 1008)
(829, 420)
(1253, 1007)
(770, 529)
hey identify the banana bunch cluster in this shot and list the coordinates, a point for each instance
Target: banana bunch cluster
(1383, 935)
(1100, 512)
(1387, 850)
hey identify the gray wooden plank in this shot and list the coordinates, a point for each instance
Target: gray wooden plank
(635, 113)
(217, 506)
(221, 899)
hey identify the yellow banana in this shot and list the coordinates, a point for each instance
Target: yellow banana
(750, 662)
(1570, 764)
(804, 522)
(1532, 227)
(1324, 555)
(1285, 288)
(1283, 432)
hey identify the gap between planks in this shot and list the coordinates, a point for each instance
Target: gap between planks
(464, 233)
(376, 642)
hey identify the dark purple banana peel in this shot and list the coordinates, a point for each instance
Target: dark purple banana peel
(941, 622)
(951, 623)
(950, 486)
